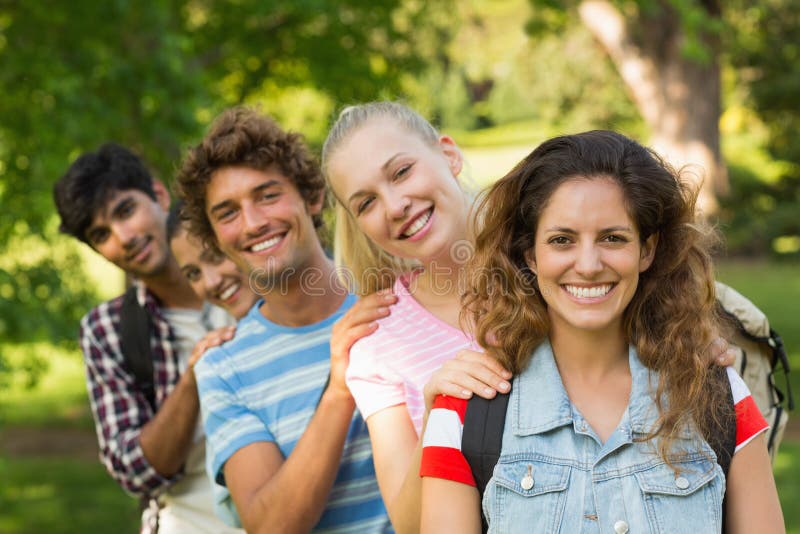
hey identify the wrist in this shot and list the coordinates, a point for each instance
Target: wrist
(188, 377)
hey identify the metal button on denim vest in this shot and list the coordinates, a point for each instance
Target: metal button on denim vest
(554, 474)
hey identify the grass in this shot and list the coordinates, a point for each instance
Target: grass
(787, 478)
(62, 495)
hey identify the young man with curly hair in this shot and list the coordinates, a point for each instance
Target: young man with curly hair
(283, 431)
(155, 451)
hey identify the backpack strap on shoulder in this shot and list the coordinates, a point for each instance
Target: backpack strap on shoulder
(482, 439)
(134, 339)
(723, 438)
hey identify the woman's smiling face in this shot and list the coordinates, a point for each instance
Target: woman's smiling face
(588, 255)
(401, 190)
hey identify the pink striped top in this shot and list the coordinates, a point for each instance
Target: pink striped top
(392, 366)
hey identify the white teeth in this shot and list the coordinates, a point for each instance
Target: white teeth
(264, 245)
(418, 224)
(588, 292)
(228, 293)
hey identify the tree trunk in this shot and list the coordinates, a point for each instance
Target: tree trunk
(678, 97)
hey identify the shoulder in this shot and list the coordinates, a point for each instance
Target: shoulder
(104, 313)
(401, 326)
(101, 324)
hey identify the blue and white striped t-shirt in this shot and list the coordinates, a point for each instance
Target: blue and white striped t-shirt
(264, 385)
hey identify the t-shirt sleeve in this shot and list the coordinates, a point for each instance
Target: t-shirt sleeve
(749, 421)
(441, 445)
(373, 384)
(228, 423)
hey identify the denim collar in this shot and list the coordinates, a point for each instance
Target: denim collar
(540, 403)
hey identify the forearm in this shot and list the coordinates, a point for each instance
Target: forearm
(294, 498)
(166, 439)
(404, 510)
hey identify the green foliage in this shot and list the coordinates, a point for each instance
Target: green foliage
(758, 216)
(766, 49)
(150, 75)
(649, 22)
(567, 82)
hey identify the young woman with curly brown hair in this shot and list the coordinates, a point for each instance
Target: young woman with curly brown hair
(593, 282)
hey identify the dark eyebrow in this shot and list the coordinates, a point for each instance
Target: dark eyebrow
(384, 167)
(564, 230)
(117, 207)
(111, 212)
(91, 233)
(257, 189)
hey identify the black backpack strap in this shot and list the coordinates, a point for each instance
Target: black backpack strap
(723, 439)
(134, 339)
(780, 356)
(482, 439)
(722, 435)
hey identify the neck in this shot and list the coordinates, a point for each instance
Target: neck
(171, 288)
(302, 299)
(586, 354)
(438, 289)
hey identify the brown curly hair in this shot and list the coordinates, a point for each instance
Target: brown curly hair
(671, 319)
(241, 136)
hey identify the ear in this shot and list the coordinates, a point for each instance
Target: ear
(315, 206)
(530, 259)
(455, 159)
(648, 253)
(162, 195)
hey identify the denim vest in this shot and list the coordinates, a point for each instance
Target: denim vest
(554, 474)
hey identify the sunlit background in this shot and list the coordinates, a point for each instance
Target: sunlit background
(711, 83)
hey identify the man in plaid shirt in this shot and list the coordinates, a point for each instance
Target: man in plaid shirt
(108, 200)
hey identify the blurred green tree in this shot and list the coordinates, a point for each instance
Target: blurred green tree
(762, 216)
(765, 49)
(151, 75)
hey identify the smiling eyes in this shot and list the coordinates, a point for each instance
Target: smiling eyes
(192, 274)
(398, 175)
(566, 240)
(122, 211)
(226, 212)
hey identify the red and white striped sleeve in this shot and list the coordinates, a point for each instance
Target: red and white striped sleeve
(441, 444)
(749, 421)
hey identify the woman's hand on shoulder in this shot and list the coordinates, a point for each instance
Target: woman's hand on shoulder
(359, 321)
(470, 372)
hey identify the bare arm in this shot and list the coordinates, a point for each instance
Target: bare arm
(752, 500)
(396, 451)
(273, 495)
(396, 448)
(449, 506)
(167, 437)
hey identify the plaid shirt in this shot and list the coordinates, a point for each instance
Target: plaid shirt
(120, 410)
